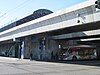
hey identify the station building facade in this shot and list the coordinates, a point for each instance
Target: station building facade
(53, 45)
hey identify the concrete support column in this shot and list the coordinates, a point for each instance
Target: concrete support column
(98, 51)
(28, 45)
(22, 50)
(21, 47)
(42, 48)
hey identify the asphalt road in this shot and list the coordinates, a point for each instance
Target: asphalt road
(26, 67)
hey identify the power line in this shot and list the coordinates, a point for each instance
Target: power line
(13, 9)
(4, 16)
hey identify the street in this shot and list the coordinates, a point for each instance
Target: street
(26, 67)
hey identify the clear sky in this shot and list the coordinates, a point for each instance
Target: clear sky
(11, 10)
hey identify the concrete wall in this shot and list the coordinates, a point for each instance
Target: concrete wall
(33, 44)
(7, 47)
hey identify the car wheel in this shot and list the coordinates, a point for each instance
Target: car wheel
(74, 58)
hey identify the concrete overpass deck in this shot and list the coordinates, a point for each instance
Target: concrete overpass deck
(65, 20)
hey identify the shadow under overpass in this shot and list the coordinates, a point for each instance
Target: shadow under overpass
(76, 28)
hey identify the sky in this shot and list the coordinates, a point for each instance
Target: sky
(12, 10)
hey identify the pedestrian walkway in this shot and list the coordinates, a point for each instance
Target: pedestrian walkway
(12, 60)
(14, 66)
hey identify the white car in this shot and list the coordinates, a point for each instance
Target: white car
(71, 57)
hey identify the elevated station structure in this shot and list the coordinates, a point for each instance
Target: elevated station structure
(46, 35)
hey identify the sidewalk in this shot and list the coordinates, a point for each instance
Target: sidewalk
(14, 60)
(7, 58)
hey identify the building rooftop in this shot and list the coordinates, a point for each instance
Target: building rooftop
(36, 14)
